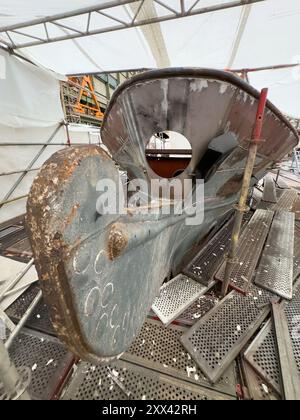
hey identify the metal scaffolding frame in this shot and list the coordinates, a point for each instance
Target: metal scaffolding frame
(7, 198)
(105, 10)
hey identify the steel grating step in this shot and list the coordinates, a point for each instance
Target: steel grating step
(47, 358)
(203, 267)
(262, 356)
(215, 340)
(257, 389)
(9, 231)
(132, 382)
(296, 269)
(263, 205)
(40, 318)
(159, 348)
(269, 194)
(176, 295)
(275, 271)
(262, 353)
(249, 250)
(198, 309)
(296, 209)
(286, 201)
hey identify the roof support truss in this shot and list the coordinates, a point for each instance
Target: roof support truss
(30, 39)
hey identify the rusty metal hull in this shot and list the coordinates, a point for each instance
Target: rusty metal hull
(100, 274)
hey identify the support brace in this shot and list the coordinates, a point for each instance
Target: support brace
(242, 208)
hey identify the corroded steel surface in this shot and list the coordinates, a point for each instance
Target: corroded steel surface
(200, 104)
(101, 273)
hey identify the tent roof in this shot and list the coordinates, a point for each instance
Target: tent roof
(82, 36)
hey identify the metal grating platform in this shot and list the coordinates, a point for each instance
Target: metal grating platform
(9, 231)
(20, 250)
(296, 209)
(40, 318)
(176, 295)
(159, 348)
(262, 356)
(257, 388)
(269, 194)
(198, 309)
(250, 247)
(203, 267)
(19, 307)
(216, 339)
(286, 201)
(296, 269)
(95, 383)
(47, 358)
(13, 236)
(292, 312)
(262, 353)
(275, 271)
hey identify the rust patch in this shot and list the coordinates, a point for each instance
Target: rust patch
(72, 213)
(117, 242)
(45, 232)
(231, 187)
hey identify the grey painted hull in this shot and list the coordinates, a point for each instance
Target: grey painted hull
(100, 275)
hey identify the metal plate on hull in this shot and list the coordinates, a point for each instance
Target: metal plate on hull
(99, 273)
(183, 100)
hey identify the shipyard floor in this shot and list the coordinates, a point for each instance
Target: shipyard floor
(241, 362)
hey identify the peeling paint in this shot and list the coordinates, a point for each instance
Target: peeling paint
(198, 85)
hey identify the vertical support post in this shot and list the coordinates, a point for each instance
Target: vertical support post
(296, 161)
(242, 208)
(68, 134)
(14, 385)
(277, 177)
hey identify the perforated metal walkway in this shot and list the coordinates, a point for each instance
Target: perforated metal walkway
(176, 296)
(137, 383)
(286, 201)
(217, 339)
(275, 271)
(249, 251)
(203, 267)
(262, 353)
(155, 367)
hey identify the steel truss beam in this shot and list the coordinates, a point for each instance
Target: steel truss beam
(106, 10)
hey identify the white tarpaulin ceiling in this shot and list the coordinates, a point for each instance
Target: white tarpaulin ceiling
(21, 105)
(262, 34)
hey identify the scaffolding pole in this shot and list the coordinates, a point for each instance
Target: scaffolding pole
(14, 384)
(242, 208)
(31, 164)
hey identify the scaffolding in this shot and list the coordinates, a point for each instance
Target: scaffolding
(108, 10)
